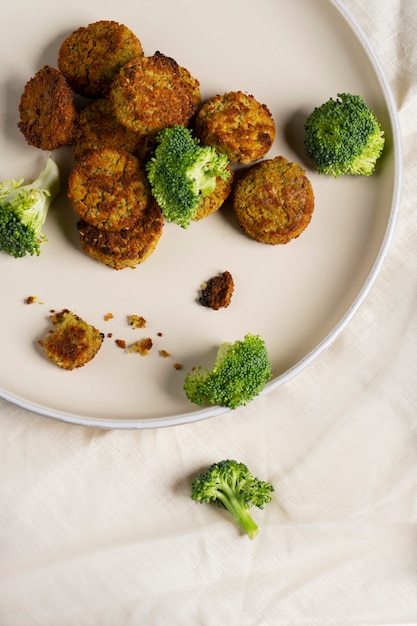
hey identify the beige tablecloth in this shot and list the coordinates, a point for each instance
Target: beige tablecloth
(97, 528)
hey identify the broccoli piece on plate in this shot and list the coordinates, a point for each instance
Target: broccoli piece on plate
(23, 211)
(343, 136)
(181, 172)
(231, 485)
(240, 372)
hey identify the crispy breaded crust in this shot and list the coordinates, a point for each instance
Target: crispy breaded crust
(98, 128)
(211, 203)
(73, 342)
(273, 201)
(91, 56)
(47, 111)
(153, 92)
(217, 292)
(236, 125)
(109, 189)
(124, 248)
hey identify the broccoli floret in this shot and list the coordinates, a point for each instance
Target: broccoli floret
(181, 172)
(23, 211)
(231, 485)
(343, 137)
(240, 372)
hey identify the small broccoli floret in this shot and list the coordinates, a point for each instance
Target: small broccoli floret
(231, 485)
(181, 172)
(343, 137)
(23, 211)
(240, 372)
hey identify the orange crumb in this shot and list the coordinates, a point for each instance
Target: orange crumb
(120, 342)
(178, 366)
(164, 353)
(142, 346)
(108, 316)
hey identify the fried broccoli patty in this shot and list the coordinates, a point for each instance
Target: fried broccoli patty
(123, 248)
(236, 125)
(98, 128)
(47, 111)
(153, 92)
(92, 55)
(73, 342)
(109, 189)
(273, 201)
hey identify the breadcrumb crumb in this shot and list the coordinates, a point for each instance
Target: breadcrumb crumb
(136, 321)
(142, 347)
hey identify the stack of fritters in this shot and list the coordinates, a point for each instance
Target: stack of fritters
(120, 222)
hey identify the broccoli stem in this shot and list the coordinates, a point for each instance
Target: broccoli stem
(239, 511)
(48, 179)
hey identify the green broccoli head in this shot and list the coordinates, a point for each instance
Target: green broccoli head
(181, 172)
(343, 136)
(240, 372)
(23, 211)
(230, 484)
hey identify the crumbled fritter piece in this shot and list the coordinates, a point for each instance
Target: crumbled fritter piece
(98, 128)
(47, 111)
(121, 343)
(123, 248)
(153, 92)
(73, 342)
(236, 125)
(108, 317)
(109, 189)
(211, 203)
(142, 347)
(31, 299)
(91, 56)
(217, 292)
(164, 354)
(177, 366)
(273, 201)
(136, 321)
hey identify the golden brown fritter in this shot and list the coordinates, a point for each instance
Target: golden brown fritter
(142, 347)
(273, 201)
(98, 128)
(151, 93)
(236, 125)
(92, 55)
(123, 248)
(109, 189)
(73, 342)
(217, 292)
(211, 203)
(47, 111)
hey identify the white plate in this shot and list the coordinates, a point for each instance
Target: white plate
(290, 55)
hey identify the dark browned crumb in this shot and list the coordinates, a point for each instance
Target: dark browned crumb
(109, 189)
(121, 343)
(142, 347)
(153, 92)
(91, 56)
(236, 125)
(211, 203)
(73, 342)
(159, 334)
(177, 366)
(47, 111)
(98, 128)
(217, 292)
(136, 321)
(273, 201)
(109, 335)
(31, 299)
(124, 248)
